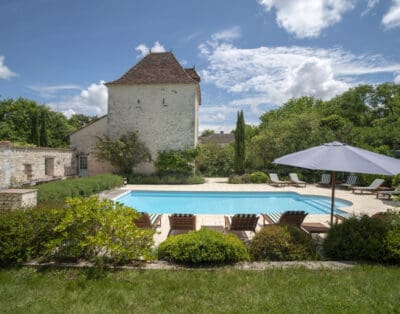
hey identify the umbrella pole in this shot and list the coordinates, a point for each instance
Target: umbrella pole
(333, 195)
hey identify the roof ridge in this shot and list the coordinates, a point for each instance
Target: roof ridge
(183, 69)
(151, 69)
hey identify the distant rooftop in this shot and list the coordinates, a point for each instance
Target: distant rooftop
(158, 68)
(218, 138)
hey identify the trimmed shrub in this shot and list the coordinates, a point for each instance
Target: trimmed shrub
(100, 231)
(239, 179)
(54, 194)
(359, 239)
(282, 243)
(25, 233)
(165, 179)
(203, 247)
(259, 177)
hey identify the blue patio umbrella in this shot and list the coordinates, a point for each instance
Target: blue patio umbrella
(336, 156)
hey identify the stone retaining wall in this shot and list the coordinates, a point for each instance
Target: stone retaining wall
(25, 165)
(17, 199)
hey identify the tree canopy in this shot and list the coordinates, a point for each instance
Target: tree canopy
(366, 116)
(24, 121)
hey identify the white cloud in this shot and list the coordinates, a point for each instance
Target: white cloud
(397, 79)
(144, 50)
(272, 75)
(370, 5)
(90, 101)
(227, 34)
(392, 18)
(51, 90)
(5, 72)
(307, 18)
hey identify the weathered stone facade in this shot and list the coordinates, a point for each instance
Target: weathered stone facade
(27, 165)
(84, 141)
(17, 199)
(156, 98)
(165, 116)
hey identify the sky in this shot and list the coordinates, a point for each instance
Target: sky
(251, 55)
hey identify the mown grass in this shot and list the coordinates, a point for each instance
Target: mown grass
(363, 289)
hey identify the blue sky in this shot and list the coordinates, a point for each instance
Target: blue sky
(251, 54)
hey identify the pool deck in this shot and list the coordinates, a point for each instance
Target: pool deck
(362, 204)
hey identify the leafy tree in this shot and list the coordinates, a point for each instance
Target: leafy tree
(43, 130)
(123, 153)
(207, 132)
(239, 144)
(21, 122)
(176, 162)
(215, 160)
(35, 135)
(79, 120)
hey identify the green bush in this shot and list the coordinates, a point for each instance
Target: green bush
(365, 239)
(215, 160)
(396, 181)
(176, 162)
(25, 233)
(165, 179)
(53, 194)
(240, 179)
(258, 177)
(100, 230)
(203, 247)
(282, 243)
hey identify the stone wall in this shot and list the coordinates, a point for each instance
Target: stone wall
(165, 116)
(17, 199)
(23, 165)
(84, 142)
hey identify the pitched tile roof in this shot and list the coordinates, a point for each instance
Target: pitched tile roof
(158, 68)
(218, 138)
(193, 74)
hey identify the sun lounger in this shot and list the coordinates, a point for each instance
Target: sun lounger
(275, 181)
(373, 187)
(325, 180)
(146, 221)
(296, 181)
(388, 194)
(295, 218)
(241, 222)
(350, 182)
(181, 223)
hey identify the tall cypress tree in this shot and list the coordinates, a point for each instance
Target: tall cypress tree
(35, 137)
(44, 142)
(239, 144)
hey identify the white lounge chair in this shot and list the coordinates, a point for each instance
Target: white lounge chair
(372, 188)
(325, 179)
(388, 194)
(275, 181)
(350, 181)
(296, 181)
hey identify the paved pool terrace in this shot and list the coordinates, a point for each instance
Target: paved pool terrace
(362, 204)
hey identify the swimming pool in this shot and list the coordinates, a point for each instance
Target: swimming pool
(228, 203)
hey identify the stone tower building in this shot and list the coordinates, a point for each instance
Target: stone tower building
(157, 98)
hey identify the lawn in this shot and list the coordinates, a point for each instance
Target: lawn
(363, 289)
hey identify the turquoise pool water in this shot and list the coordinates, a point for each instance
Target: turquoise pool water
(227, 203)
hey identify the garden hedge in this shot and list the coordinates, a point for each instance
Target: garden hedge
(365, 239)
(54, 194)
